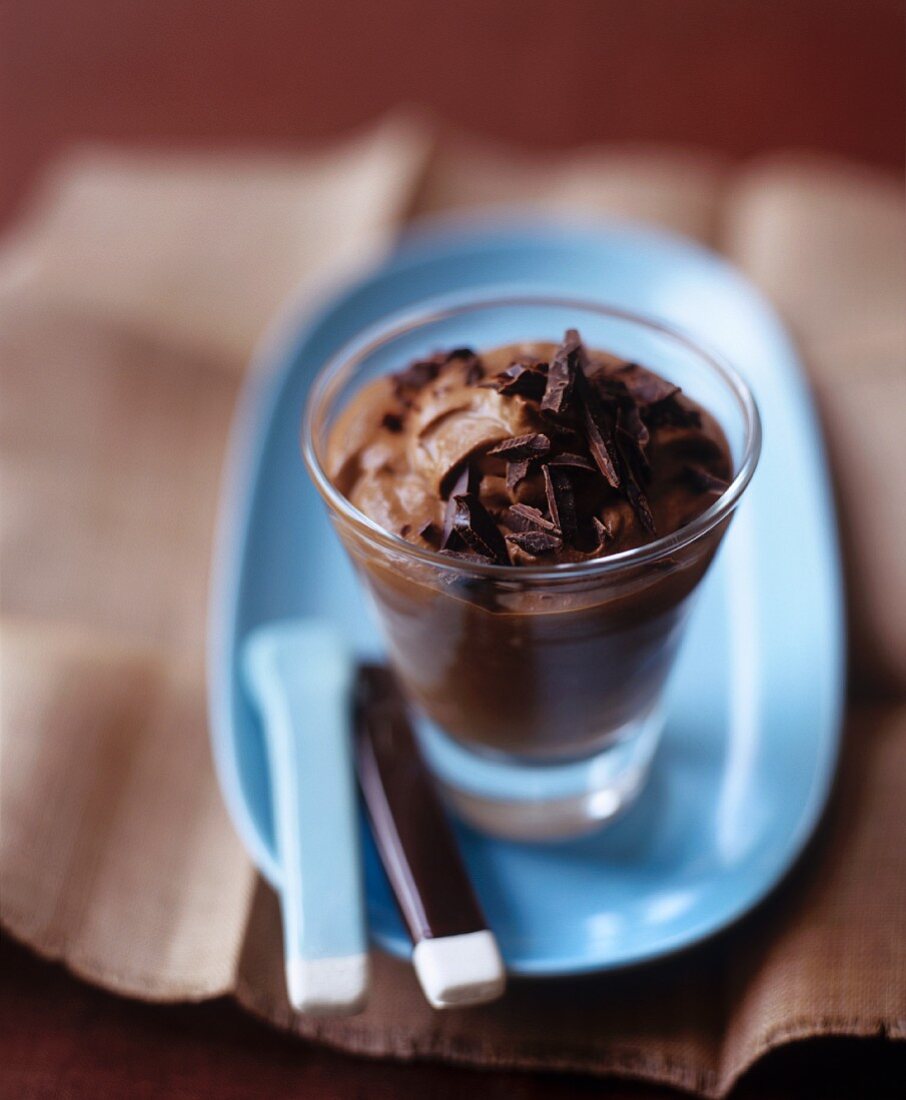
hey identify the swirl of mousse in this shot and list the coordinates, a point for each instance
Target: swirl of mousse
(528, 454)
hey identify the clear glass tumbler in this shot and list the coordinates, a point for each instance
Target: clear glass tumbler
(536, 690)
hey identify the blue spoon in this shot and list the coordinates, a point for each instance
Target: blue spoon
(300, 677)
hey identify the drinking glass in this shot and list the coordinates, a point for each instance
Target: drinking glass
(537, 691)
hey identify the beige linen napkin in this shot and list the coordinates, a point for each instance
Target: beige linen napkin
(827, 241)
(128, 302)
(200, 249)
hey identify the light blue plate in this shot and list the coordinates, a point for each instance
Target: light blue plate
(751, 744)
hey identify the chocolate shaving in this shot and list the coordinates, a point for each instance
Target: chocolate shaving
(594, 536)
(416, 376)
(602, 534)
(703, 481)
(450, 537)
(460, 479)
(466, 555)
(561, 501)
(423, 371)
(635, 470)
(630, 447)
(626, 411)
(466, 482)
(561, 375)
(535, 542)
(460, 353)
(520, 380)
(516, 472)
(392, 422)
(578, 462)
(476, 527)
(533, 445)
(430, 532)
(523, 517)
(600, 444)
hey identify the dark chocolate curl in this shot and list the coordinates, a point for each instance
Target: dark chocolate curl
(599, 416)
(476, 527)
(561, 501)
(467, 481)
(577, 462)
(523, 517)
(535, 542)
(430, 533)
(417, 375)
(602, 534)
(520, 380)
(533, 445)
(600, 444)
(516, 472)
(561, 375)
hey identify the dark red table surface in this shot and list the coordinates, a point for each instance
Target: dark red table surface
(739, 76)
(60, 1038)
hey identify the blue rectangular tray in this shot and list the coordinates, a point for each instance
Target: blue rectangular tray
(755, 705)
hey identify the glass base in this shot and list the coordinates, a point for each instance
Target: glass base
(520, 801)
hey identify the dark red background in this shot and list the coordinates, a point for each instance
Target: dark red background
(740, 76)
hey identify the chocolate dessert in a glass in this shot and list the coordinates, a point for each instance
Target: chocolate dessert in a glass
(531, 490)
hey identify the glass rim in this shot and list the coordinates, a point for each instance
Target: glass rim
(345, 360)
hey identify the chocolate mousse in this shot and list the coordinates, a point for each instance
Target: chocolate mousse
(530, 455)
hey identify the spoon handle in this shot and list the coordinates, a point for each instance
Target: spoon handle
(455, 956)
(300, 677)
